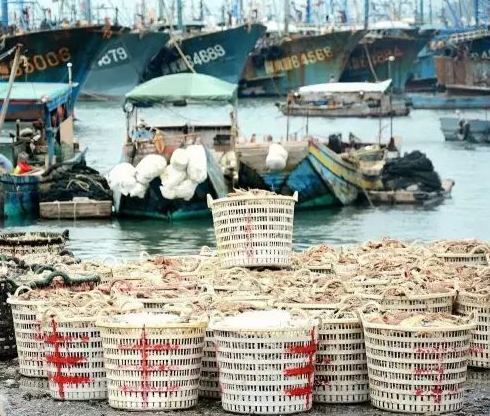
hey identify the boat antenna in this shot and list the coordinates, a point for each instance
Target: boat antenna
(390, 60)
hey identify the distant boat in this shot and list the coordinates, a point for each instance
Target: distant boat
(370, 59)
(48, 53)
(470, 130)
(122, 63)
(344, 99)
(221, 54)
(279, 66)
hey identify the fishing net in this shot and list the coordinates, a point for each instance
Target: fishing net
(414, 168)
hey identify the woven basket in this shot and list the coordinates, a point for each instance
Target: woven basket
(266, 371)
(341, 374)
(209, 380)
(417, 370)
(74, 358)
(254, 231)
(8, 346)
(477, 306)
(477, 256)
(19, 244)
(153, 366)
(429, 302)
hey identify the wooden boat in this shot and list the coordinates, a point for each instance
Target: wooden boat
(43, 129)
(461, 129)
(322, 176)
(78, 208)
(404, 197)
(345, 99)
(216, 138)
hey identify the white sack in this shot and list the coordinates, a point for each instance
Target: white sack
(149, 168)
(172, 177)
(197, 170)
(180, 159)
(186, 189)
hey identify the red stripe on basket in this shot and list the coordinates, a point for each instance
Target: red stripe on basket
(59, 378)
(299, 371)
(150, 347)
(150, 368)
(437, 370)
(309, 348)
(300, 391)
(476, 350)
(55, 359)
(130, 389)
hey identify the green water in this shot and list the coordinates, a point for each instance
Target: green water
(101, 128)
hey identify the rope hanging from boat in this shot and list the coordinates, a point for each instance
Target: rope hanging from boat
(186, 61)
(371, 67)
(8, 53)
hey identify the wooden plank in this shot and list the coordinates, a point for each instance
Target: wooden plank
(75, 209)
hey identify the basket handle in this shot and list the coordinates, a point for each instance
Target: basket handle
(210, 200)
(334, 282)
(205, 250)
(371, 304)
(295, 196)
(144, 256)
(172, 272)
(23, 287)
(483, 247)
(402, 288)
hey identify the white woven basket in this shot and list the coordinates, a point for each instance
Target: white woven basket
(417, 370)
(209, 381)
(153, 366)
(477, 256)
(28, 334)
(254, 230)
(341, 374)
(477, 306)
(74, 358)
(266, 371)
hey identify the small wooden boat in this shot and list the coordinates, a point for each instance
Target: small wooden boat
(332, 173)
(404, 197)
(164, 138)
(78, 208)
(461, 129)
(345, 99)
(42, 129)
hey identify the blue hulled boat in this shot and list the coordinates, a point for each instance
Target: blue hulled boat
(41, 128)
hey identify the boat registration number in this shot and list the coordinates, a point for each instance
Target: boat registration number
(39, 62)
(198, 58)
(113, 56)
(298, 60)
(377, 57)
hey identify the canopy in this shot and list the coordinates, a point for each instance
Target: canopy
(339, 87)
(35, 91)
(180, 87)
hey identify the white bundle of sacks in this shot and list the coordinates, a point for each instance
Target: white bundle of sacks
(276, 158)
(134, 181)
(187, 169)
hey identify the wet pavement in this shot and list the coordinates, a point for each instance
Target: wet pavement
(22, 396)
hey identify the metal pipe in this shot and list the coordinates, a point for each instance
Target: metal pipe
(366, 14)
(286, 17)
(477, 5)
(421, 12)
(13, 73)
(308, 11)
(180, 19)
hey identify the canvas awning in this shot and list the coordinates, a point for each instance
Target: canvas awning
(179, 87)
(340, 87)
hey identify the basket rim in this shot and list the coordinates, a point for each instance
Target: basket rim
(170, 325)
(226, 200)
(455, 327)
(451, 293)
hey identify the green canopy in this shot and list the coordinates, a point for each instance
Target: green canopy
(180, 87)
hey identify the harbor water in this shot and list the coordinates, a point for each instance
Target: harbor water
(100, 126)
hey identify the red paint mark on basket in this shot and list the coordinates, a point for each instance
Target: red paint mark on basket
(150, 368)
(419, 392)
(301, 391)
(320, 383)
(437, 370)
(309, 348)
(299, 371)
(324, 361)
(56, 358)
(476, 350)
(437, 393)
(144, 347)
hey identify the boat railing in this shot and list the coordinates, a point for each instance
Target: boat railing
(471, 35)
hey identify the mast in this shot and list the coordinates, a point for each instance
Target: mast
(13, 72)
(421, 12)
(430, 11)
(240, 17)
(88, 10)
(477, 5)
(180, 19)
(366, 14)
(5, 12)
(308, 11)
(286, 17)
(160, 10)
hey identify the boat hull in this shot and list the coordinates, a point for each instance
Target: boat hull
(127, 56)
(48, 53)
(403, 46)
(293, 63)
(449, 102)
(19, 196)
(154, 205)
(221, 54)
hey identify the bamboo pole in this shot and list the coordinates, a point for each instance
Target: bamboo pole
(13, 72)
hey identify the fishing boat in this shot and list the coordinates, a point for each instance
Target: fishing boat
(216, 140)
(370, 60)
(48, 52)
(40, 133)
(127, 56)
(461, 129)
(331, 173)
(221, 54)
(283, 64)
(345, 99)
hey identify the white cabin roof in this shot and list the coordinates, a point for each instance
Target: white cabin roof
(339, 87)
